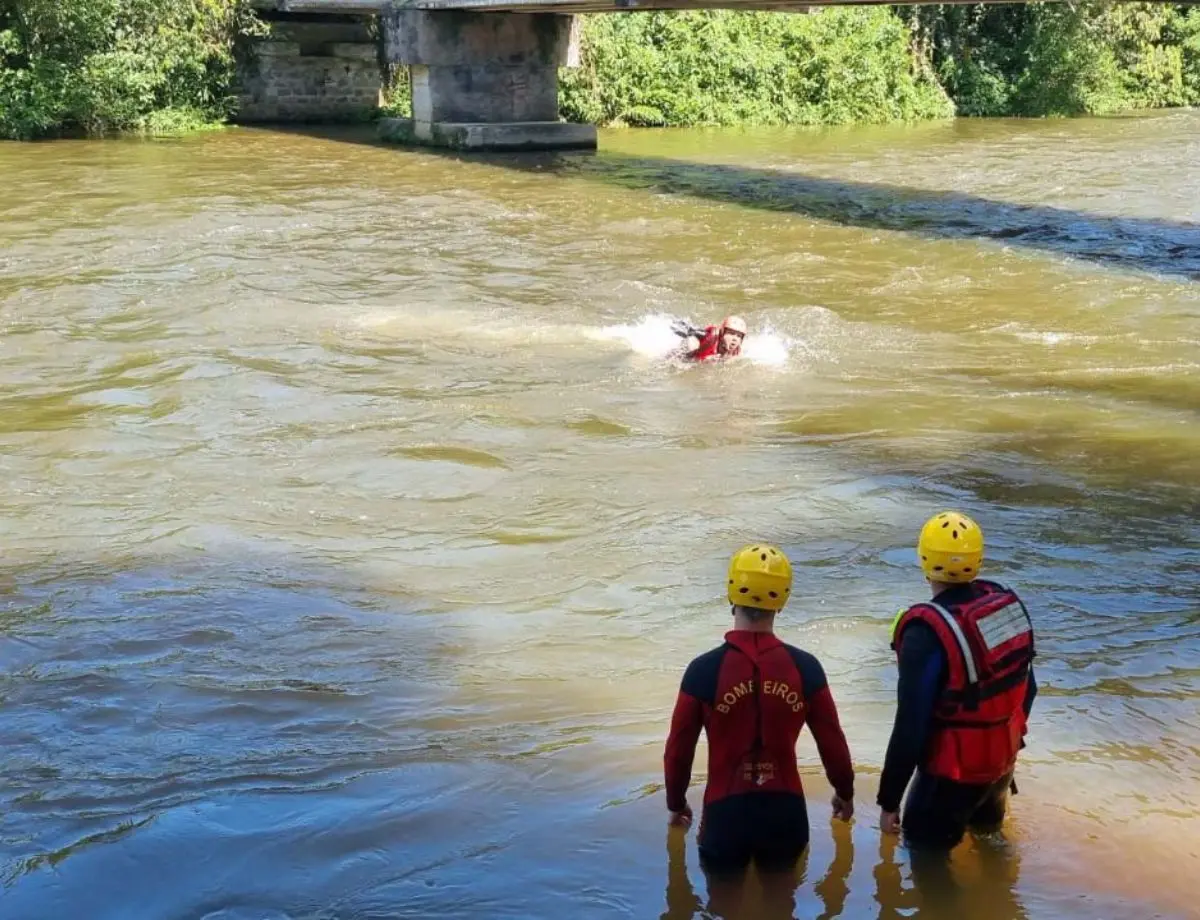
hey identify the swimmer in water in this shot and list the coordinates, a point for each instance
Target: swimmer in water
(712, 342)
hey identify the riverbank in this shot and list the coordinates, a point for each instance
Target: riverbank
(125, 66)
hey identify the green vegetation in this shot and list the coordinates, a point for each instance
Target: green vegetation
(884, 64)
(839, 65)
(1059, 58)
(397, 93)
(167, 66)
(100, 66)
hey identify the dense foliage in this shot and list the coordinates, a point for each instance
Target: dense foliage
(1060, 58)
(116, 65)
(720, 67)
(99, 66)
(877, 64)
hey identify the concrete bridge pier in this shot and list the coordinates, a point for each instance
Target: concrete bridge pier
(482, 81)
(314, 67)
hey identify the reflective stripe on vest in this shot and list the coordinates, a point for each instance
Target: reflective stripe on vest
(968, 655)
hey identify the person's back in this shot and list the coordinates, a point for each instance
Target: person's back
(965, 691)
(752, 695)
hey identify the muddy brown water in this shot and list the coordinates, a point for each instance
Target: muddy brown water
(357, 535)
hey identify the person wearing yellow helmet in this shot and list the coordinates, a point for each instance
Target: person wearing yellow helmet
(965, 691)
(752, 695)
(713, 342)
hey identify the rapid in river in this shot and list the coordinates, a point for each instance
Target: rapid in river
(357, 531)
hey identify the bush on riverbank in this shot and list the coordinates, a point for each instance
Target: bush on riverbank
(161, 66)
(722, 68)
(879, 64)
(1061, 59)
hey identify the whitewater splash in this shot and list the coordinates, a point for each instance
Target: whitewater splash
(653, 337)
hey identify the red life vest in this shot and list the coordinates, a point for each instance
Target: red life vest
(979, 720)
(708, 345)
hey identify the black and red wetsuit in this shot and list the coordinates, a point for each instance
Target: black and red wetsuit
(752, 695)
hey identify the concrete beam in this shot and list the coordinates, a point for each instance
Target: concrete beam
(376, 7)
(371, 7)
(350, 7)
(568, 7)
(464, 39)
(513, 136)
(482, 81)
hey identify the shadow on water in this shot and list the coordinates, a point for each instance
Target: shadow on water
(1161, 247)
(1157, 246)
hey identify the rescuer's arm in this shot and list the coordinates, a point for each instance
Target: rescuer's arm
(1031, 690)
(690, 336)
(922, 665)
(686, 722)
(822, 719)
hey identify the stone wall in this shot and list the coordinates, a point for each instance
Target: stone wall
(311, 69)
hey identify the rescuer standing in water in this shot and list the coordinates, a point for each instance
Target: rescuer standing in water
(965, 691)
(752, 695)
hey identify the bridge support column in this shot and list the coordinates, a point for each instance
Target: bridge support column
(482, 81)
(312, 68)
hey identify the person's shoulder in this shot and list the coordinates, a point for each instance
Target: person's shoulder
(918, 639)
(700, 677)
(809, 666)
(919, 616)
(707, 659)
(991, 586)
(799, 654)
(918, 621)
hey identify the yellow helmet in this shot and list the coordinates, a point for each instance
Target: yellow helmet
(760, 576)
(951, 548)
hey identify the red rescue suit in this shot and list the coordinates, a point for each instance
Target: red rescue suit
(708, 344)
(979, 720)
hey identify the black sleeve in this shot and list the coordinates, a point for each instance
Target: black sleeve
(700, 678)
(922, 674)
(812, 675)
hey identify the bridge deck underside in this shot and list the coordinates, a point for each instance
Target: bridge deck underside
(578, 6)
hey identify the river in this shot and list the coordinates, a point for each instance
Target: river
(357, 534)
